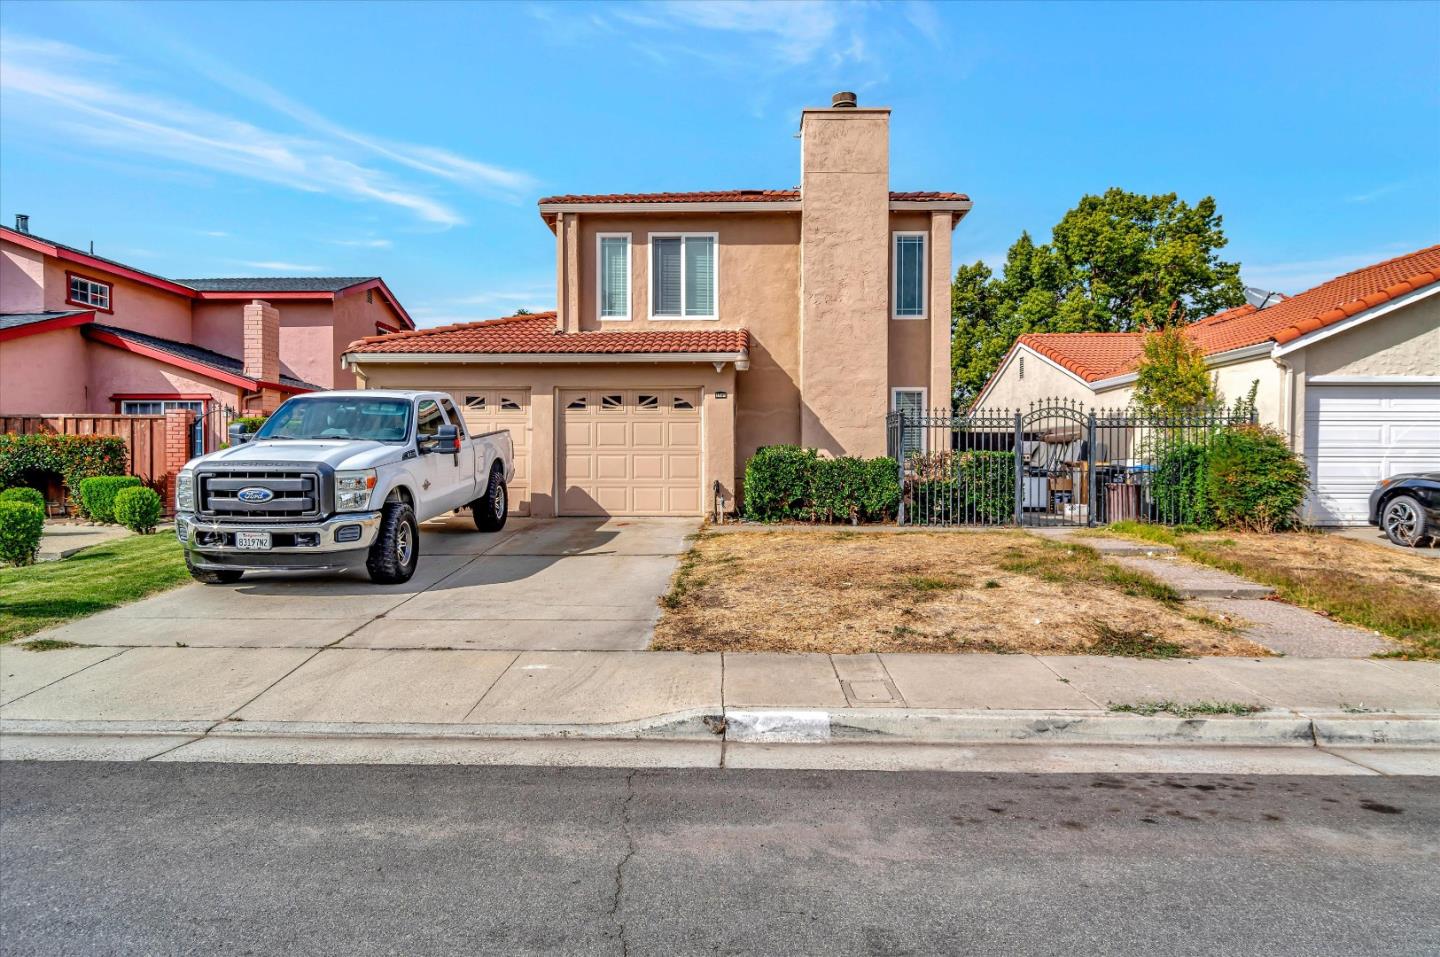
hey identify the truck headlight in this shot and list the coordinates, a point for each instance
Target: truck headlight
(185, 491)
(352, 490)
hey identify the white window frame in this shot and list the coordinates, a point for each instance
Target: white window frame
(684, 290)
(924, 406)
(94, 290)
(600, 277)
(895, 274)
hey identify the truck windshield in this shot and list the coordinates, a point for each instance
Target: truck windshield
(341, 418)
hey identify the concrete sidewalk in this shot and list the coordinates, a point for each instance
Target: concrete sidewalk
(161, 699)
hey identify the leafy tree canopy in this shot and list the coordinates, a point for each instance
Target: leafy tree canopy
(1172, 378)
(1115, 263)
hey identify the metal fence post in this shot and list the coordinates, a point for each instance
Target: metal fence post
(900, 466)
(1091, 459)
(1019, 467)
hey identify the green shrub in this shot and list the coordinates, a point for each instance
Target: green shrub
(777, 483)
(850, 489)
(251, 423)
(1180, 485)
(138, 509)
(73, 457)
(21, 525)
(97, 495)
(22, 493)
(972, 486)
(1255, 482)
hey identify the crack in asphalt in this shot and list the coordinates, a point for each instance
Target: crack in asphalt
(614, 913)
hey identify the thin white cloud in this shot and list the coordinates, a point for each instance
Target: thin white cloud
(1300, 275)
(37, 74)
(1378, 192)
(798, 31)
(521, 296)
(362, 243)
(271, 265)
(217, 233)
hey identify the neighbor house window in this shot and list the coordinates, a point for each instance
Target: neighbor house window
(613, 258)
(911, 402)
(88, 292)
(682, 276)
(909, 270)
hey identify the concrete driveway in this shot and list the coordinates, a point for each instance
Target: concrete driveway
(540, 585)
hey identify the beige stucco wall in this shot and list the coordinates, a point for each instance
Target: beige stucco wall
(1404, 342)
(919, 349)
(1042, 380)
(47, 372)
(22, 279)
(544, 382)
(845, 280)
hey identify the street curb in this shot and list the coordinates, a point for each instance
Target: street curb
(825, 726)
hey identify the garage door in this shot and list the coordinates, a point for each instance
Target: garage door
(1356, 435)
(630, 452)
(487, 410)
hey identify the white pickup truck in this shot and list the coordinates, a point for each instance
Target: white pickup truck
(339, 479)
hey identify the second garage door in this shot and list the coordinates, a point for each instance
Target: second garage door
(488, 409)
(630, 452)
(1355, 435)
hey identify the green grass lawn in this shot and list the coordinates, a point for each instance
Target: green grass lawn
(41, 596)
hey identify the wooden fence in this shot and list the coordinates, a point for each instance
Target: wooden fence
(144, 436)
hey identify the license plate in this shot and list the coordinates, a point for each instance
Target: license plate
(254, 540)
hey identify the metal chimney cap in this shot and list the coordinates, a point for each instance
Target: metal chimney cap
(844, 100)
(22, 223)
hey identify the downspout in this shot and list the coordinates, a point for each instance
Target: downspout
(1287, 401)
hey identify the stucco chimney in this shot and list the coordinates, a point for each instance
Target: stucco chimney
(844, 277)
(22, 223)
(262, 341)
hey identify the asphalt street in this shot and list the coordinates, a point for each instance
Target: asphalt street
(147, 858)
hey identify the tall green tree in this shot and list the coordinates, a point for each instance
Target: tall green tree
(1114, 263)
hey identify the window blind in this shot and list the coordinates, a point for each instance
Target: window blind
(699, 276)
(911, 403)
(666, 277)
(614, 276)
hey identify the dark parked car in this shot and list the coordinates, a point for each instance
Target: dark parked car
(1407, 507)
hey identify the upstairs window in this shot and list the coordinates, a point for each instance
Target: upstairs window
(908, 268)
(682, 276)
(613, 259)
(88, 292)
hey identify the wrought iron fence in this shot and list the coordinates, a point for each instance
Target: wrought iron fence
(1055, 463)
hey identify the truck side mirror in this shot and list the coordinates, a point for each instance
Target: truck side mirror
(238, 435)
(447, 440)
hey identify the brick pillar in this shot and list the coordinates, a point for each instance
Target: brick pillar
(177, 449)
(262, 349)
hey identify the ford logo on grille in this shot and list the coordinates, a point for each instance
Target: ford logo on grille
(254, 495)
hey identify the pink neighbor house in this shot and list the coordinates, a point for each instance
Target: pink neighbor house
(80, 333)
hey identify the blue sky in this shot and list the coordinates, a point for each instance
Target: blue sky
(411, 141)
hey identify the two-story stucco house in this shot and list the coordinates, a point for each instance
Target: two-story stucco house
(694, 328)
(80, 333)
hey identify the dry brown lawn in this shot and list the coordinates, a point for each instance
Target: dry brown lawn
(1395, 592)
(849, 592)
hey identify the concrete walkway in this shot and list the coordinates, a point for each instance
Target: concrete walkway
(63, 539)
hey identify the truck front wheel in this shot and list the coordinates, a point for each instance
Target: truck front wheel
(213, 576)
(396, 550)
(490, 512)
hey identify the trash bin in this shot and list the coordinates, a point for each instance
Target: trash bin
(1122, 502)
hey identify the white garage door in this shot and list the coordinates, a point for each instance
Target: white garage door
(1355, 435)
(488, 409)
(630, 452)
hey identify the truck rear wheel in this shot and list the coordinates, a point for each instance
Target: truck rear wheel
(212, 576)
(491, 511)
(396, 550)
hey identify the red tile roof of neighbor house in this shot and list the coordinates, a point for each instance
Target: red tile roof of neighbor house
(535, 334)
(732, 196)
(1099, 355)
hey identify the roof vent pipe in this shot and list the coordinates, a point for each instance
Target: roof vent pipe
(22, 223)
(844, 100)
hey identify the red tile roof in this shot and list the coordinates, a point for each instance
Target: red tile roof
(535, 334)
(732, 196)
(1100, 355)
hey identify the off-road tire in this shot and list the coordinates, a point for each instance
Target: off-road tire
(396, 549)
(1399, 516)
(491, 511)
(210, 576)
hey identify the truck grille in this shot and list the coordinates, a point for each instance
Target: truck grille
(294, 494)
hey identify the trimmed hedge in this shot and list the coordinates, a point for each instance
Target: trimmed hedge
(138, 509)
(973, 486)
(22, 493)
(788, 483)
(1255, 481)
(73, 457)
(1180, 486)
(21, 525)
(97, 495)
